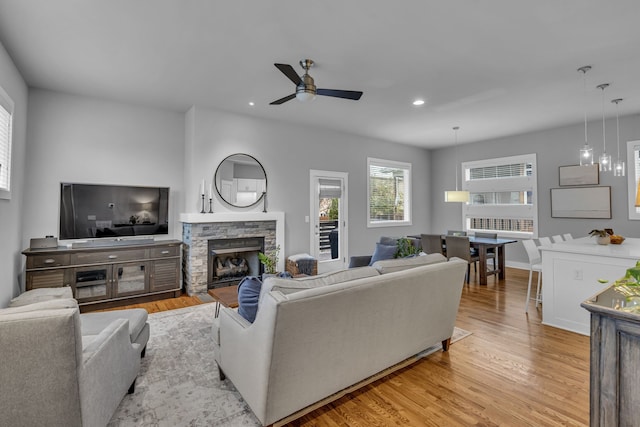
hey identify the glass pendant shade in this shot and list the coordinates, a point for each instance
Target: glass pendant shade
(586, 155)
(456, 196)
(605, 162)
(618, 168)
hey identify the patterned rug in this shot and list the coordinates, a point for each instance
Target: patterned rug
(178, 383)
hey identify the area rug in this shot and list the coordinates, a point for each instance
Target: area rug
(178, 383)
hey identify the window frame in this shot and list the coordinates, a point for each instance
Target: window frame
(526, 183)
(406, 167)
(632, 182)
(7, 104)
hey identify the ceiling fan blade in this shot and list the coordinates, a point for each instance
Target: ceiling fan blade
(346, 94)
(288, 71)
(283, 100)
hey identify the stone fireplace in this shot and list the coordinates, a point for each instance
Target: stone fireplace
(201, 231)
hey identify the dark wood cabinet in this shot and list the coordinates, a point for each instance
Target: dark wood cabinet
(615, 359)
(109, 275)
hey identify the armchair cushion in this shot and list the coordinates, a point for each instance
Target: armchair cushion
(383, 252)
(41, 294)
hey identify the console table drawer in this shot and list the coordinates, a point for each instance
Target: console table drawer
(110, 256)
(44, 261)
(170, 251)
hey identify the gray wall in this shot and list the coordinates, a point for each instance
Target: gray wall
(554, 148)
(86, 140)
(287, 153)
(11, 210)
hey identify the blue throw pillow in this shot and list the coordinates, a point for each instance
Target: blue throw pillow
(248, 295)
(383, 252)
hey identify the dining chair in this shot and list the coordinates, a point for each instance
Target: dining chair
(535, 264)
(459, 247)
(456, 233)
(557, 238)
(544, 241)
(567, 236)
(432, 243)
(491, 252)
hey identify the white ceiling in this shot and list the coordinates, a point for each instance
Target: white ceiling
(493, 67)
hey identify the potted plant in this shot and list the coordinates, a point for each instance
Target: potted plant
(405, 248)
(603, 237)
(269, 260)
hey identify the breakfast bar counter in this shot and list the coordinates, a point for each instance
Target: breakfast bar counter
(573, 271)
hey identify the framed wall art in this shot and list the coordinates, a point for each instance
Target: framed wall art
(581, 202)
(579, 175)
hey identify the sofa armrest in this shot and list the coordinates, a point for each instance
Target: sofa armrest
(359, 261)
(110, 365)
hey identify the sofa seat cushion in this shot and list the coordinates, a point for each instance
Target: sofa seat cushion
(41, 294)
(94, 323)
(398, 264)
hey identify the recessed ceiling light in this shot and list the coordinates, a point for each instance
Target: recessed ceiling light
(418, 102)
(251, 103)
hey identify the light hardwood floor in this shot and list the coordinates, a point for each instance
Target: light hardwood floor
(512, 371)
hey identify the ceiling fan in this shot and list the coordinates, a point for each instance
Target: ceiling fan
(306, 89)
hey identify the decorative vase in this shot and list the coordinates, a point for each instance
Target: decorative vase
(603, 240)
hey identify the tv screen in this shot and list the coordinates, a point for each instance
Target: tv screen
(93, 211)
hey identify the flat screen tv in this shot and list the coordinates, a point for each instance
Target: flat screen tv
(89, 211)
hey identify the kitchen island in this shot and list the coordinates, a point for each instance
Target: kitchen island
(571, 271)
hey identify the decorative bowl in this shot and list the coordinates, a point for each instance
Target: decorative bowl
(616, 239)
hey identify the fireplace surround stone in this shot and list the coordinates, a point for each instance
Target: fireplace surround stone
(198, 229)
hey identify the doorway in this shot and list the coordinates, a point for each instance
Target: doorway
(328, 223)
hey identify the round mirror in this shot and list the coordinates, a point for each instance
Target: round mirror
(240, 180)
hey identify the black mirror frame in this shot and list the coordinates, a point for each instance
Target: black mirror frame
(215, 181)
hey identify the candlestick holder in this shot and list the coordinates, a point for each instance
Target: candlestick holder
(210, 205)
(264, 201)
(202, 211)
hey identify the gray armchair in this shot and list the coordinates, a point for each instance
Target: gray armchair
(53, 376)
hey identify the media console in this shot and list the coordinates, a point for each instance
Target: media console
(108, 276)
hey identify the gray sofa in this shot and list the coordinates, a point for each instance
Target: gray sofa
(313, 338)
(63, 368)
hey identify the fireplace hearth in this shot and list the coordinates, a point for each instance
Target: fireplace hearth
(230, 260)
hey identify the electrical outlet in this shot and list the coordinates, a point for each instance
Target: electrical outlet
(91, 217)
(577, 274)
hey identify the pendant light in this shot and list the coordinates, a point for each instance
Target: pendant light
(605, 159)
(618, 165)
(456, 195)
(586, 152)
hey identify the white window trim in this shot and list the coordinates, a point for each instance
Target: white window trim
(7, 103)
(631, 180)
(516, 211)
(407, 201)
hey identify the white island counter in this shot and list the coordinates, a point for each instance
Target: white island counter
(570, 273)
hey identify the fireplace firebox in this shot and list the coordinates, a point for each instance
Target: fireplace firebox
(230, 260)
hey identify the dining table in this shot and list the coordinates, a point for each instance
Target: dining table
(483, 245)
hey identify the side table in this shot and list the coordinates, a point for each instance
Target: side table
(227, 296)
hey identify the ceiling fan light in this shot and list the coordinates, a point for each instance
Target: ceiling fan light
(305, 95)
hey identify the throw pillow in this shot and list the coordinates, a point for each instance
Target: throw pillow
(383, 252)
(248, 294)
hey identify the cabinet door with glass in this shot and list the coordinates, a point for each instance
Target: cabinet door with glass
(129, 278)
(92, 283)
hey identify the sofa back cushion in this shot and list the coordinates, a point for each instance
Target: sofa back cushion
(41, 294)
(398, 264)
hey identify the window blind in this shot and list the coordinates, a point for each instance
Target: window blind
(6, 112)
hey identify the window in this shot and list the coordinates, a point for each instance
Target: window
(6, 115)
(502, 194)
(633, 164)
(389, 193)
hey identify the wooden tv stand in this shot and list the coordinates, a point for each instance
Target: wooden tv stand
(108, 276)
